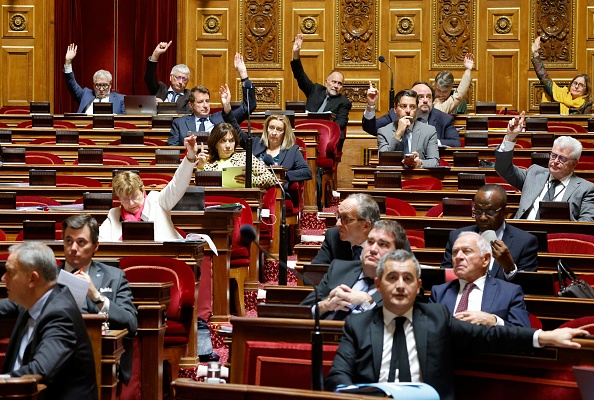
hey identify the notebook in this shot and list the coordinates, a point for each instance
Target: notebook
(229, 175)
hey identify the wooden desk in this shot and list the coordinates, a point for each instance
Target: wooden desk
(25, 387)
(21, 136)
(112, 348)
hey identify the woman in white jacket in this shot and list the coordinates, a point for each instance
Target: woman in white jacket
(136, 205)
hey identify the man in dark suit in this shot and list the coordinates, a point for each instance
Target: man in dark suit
(514, 250)
(179, 78)
(50, 338)
(202, 120)
(321, 98)
(109, 292)
(558, 182)
(476, 297)
(427, 337)
(447, 135)
(86, 97)
(418, 141)
(348, 286)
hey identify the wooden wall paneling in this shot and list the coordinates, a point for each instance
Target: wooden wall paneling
(17, 70)
(407, 67)
(589, 61)
(313, 61)
(503, 77)
(307, 21)
(212, 66)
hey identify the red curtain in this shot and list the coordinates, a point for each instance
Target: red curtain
(116, 35)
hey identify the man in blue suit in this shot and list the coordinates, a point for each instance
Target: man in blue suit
(86, 97)
(443, 123)
(476, 297)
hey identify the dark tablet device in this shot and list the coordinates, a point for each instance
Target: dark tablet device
(138, 230)
(42, 177)
(97, 201)
(387, 179)
(554, 210)
(192, 200)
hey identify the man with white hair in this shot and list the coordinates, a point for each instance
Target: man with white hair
(86, 97)
(558, 182)
(476, 297)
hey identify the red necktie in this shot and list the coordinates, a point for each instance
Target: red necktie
(463, 305)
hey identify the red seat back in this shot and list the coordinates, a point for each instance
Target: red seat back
(428, 183)
(38, 157)
(328, 137)
(399, 207)
(570, 243)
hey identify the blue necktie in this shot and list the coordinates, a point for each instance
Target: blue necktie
(173, 95)
(202, 127)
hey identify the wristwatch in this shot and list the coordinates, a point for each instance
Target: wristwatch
(366, 305)
(101, 299)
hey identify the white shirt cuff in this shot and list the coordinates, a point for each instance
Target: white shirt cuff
(67, 68)
(499, 322)
(506, 145)
(512, 273)
(535, 339)
(105, 308)
(368, 114)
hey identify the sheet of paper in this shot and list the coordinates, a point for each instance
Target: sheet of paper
(77, 285)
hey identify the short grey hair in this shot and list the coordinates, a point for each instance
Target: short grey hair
(398, 256)
(36, 256)
(567, 142)
(482, 243)
(368, 208)
(102, 74)
(444, 79)
(182, 69)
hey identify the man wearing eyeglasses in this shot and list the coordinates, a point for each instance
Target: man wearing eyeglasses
(558, 182)
(348, 287)
(514, 250)
(320, 98)
(86, 97)
(179, 78)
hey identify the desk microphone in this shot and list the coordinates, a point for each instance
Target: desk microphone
(382, 59)
(248, 234)
(283, 240)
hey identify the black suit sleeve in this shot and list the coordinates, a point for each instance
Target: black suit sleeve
(242, 111)
(150, 78)
(299, 170)
(324, 255)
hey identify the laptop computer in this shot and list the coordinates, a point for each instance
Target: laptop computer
(140, 105)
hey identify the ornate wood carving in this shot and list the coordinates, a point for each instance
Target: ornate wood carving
(356, 91)
(356, 36)
(453, 32)
(260, 37)
(268, 94)
(554, 23)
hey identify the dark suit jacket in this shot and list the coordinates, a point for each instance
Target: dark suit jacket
(292, 160)
(333, 248)
(579, 193)
(111, 283)
(59, 350)
(504, 299)
(439, 338)
(442, 122)
(161, 90)
(523, 247)
(340, 272)
(316, 93)
(84, 96)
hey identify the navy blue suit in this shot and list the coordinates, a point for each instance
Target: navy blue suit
(523, 247)
(182, 125)
(501, 298)
(84, 96)
(439, 337)
(292, 160)
(442, 122)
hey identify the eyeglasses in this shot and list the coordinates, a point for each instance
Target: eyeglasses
(180, 78)
(132, 199)
(561, 159)
(489, 213)
(578, 84)
(346, 220)
(102, 85)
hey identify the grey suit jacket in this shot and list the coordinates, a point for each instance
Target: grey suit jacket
(579, 193)
(423, 141)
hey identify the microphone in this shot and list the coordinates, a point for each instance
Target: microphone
(382, 59)
(283, 240)
(248, 148)
(248, 234)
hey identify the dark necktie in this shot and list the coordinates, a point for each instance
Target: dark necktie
(550, 196)
(357, 252)
(19, 333)
(202, 127)
(173, 95)
(323, 106)
(399, 358)
(405, 137)
(463, 304)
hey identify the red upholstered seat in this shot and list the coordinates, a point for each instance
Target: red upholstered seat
(117, 124)
(34, 201)
(256, 126)
(155, 179)
(428, 183)
(147, 142)
(586, 323)
(75, 181)
(399, 207)
(2, 236)
(115, 159)
(501, 182)
(15, 110)
(555, 126)
(416, 238)
(570, 243)
(81, 141)
(39, 157)
(435, 211)
(535, 321)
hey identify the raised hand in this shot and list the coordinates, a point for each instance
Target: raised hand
(297, 46)
(70, 53)
(160, 49)
(240, 66)
(372, 94)
(536, 45)
(191, 147)
(225, 97)
(469, 61)
(515, 127)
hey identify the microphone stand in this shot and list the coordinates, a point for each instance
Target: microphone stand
(248, 145)
(283, 240)
(317, 339)
(391, 103)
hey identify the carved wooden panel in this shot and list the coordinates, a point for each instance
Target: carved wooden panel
(269, 94)
(311, 23)
(212, 24)
(503, 69)
(17, 85)
(405, 24)
(590, 61)
(453, 27)
(536, 89)
(260, 36)
(356, 91)
(407, 68)
(212, 66)
(590, 23)
(356, 33)
(18, 21)
(503, 23)
(554, 22)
